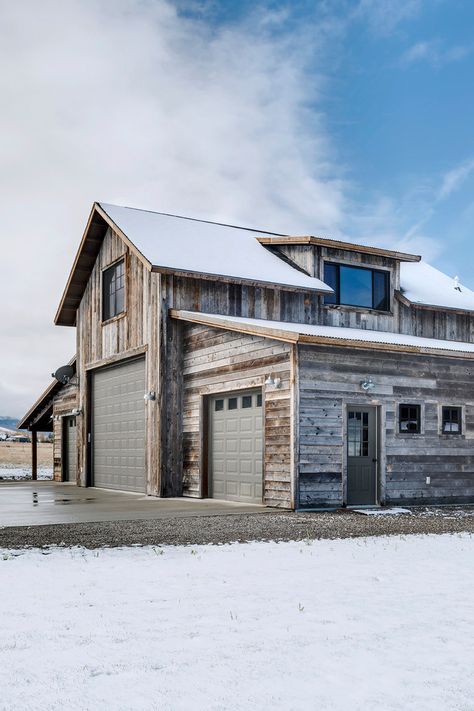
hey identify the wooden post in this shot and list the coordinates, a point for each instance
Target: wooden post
(34, 455)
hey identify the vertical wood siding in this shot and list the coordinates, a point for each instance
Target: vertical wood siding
(64, 402)
(218, 361)
(329, 379)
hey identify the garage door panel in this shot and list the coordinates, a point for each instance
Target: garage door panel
(118, 412)
(236, 447)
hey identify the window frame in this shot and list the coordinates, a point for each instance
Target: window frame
(113, 265)
(460, 410)
(419, 429)
(337, 291)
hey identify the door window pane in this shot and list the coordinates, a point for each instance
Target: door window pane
(219, 405)
(247, 401)
(233, 404)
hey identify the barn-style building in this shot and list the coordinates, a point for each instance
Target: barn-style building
(293, 371)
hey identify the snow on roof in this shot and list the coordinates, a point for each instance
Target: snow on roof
(423, 284)
(188, 245)
(292, 332)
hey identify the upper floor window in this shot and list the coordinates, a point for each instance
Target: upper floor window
(113, 290)
(451, 420)
(357, 286)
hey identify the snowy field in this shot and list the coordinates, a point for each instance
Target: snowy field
(372, 624)
(23, 473)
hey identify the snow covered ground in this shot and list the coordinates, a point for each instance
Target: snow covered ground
(373, 623)
(23, 473)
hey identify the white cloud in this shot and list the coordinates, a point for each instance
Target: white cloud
(453, 179)
(433, 53)
(384, 16)
(131, 103)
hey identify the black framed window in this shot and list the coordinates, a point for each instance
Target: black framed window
(357, 286)
(113, 290)
(451, 420)
(409, 419)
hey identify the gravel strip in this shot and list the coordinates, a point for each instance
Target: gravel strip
(217, 529)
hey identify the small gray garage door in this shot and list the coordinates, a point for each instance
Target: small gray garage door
(118, 427)
(71, 448)
(235, 442)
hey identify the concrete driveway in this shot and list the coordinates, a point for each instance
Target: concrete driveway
(44, 502)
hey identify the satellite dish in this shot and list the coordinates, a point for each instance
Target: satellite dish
(64, 374)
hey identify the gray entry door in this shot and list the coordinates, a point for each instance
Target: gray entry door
(236, 451)
(118, 427)
(361, 456)
(70, 439)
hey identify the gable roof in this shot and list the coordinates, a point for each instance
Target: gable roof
(183, 245)
(423, 285)
(329, 335)
(39, 414)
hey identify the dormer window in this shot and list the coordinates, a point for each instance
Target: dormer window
(357, 286)
(113, 290)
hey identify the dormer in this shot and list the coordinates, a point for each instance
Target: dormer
(365, 279)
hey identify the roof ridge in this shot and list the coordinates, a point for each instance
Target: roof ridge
(193, 219)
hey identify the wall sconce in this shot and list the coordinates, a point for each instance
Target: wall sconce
(77, 411)
(367, 385)
(272, 381)
(150, 395)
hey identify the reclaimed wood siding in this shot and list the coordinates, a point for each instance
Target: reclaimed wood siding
(217, 361)
(64, 402)
(138, 329)
(329, 380)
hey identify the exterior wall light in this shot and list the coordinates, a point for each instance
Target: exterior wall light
(272, 381)
(150, 395)
(367, 385)
(77, 411)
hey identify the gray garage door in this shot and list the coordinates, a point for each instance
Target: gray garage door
(235, 442)
(118, 427)
(71, 448)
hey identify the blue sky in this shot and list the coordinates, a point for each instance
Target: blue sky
(398, 108)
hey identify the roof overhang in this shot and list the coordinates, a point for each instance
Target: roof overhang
(96, 228)
(39, 415)
(338, 244)
(292, 334)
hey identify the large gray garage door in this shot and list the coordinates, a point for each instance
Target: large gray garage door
(235, 444)
(118, 427)
(71, 448)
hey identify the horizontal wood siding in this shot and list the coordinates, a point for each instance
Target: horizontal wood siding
(64, 402)
(218, 361)
(329, 379)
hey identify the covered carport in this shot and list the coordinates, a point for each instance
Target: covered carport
(47, 415)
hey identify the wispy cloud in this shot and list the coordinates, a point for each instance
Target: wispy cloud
(453, 179)
(384, 16)
(434, 53)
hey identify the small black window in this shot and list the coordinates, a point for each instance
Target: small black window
(233, 403)
(410, 419)
(247, 401)
(451, 420)
(259, 400)
(219, 405)
(357, 286)
(113, 291)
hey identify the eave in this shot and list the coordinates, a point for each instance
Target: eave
(338, 244)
